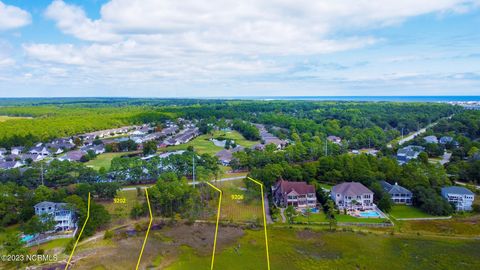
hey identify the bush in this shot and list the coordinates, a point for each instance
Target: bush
(108, 234)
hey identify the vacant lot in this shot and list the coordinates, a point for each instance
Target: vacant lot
(236, 206)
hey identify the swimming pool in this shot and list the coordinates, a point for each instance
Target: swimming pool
(27, 238)
(313, 210)
(369, 213)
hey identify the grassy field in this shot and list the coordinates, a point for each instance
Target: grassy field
(104, 160)
(4, 118)
(305, 249)
(202, 143)
(463, 226)
(406, 211)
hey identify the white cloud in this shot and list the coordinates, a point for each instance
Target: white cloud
(12, 17)
(217, 41)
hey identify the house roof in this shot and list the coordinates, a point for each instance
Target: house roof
(351, 189)
(46, 204)
(394, 189)
(457, 190)
(298, 187)
(224, 155)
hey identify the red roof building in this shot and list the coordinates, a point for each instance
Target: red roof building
(297, 194)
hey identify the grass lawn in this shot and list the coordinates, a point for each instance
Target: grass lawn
(236, 136)
(314, 217)
(325, 186)
(202, 143)
(406, 211)
(104, 160)
(348, 218)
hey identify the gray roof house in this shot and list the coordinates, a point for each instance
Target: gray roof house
(7, 165)
(399, 194)
(17, 150)
(352, 196)
(431, 139)
(63, 217)
(461, 197)
(225, 156)
(408, 153)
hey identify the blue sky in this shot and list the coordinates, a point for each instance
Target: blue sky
(200, 48)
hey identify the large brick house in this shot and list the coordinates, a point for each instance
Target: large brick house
(297, 194)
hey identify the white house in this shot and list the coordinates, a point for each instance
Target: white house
(461, 197)
(63, 216)
(352, 196)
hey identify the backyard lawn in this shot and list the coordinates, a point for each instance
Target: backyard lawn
(314, 217)
(406, 211)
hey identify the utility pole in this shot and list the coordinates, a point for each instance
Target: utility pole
(41, 173)
(193, 170)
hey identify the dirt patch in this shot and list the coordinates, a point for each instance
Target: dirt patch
(200, 236)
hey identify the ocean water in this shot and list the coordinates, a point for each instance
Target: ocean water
(373, 98)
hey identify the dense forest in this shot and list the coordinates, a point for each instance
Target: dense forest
(363, 124)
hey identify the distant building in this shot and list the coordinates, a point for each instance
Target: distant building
(40, 150)
(7, 165)
(63, 216)
(399, 194)
(352, 196)
(75, 155)
(408, 153)
(334, 139)
(461, 197)
(431, 139)
(17, 150)
(297, 194)
(224, 156)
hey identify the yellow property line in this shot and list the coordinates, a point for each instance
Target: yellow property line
(80, 234)
(264, 219)
(148, 230)
(216, 225)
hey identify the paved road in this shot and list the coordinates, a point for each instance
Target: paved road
(464, 184)
(413, 135)
(445, 158)
(191, 183)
